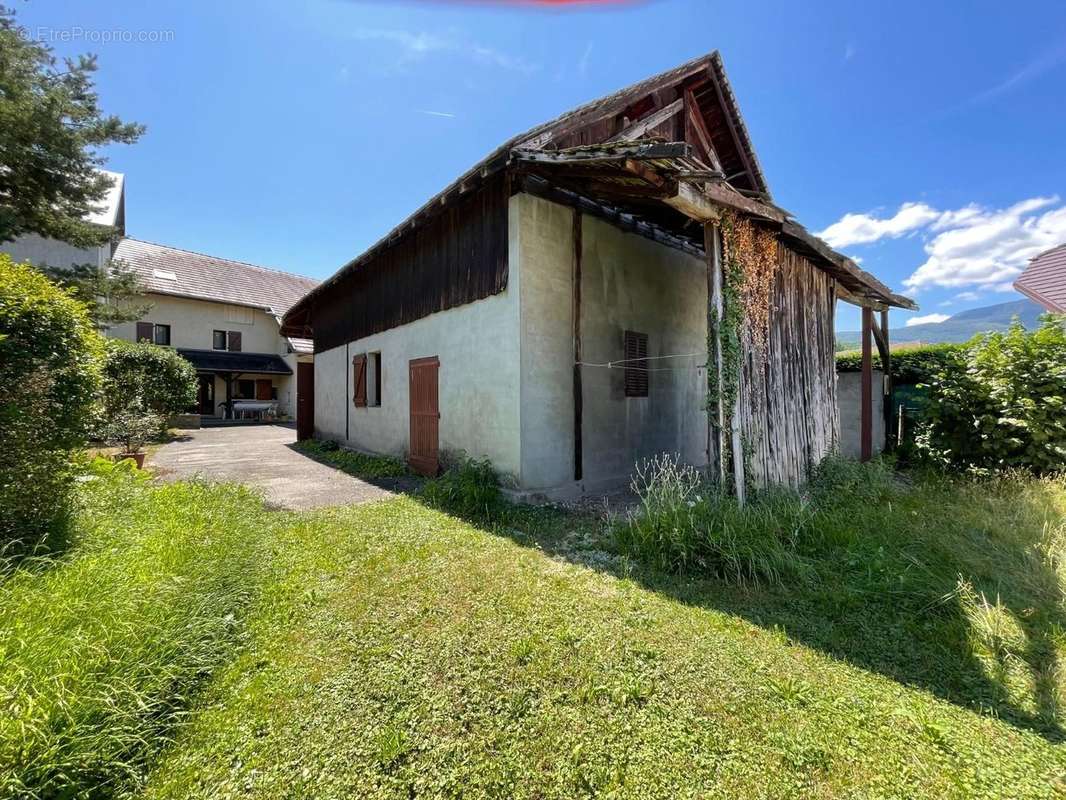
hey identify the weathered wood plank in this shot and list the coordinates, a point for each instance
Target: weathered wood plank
(642, 126)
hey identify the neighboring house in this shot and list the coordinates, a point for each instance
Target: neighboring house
(111, 213)
(554, 308)
(1044, 280)
(222, 316)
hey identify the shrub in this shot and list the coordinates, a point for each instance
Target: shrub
(909, 365)
(163, 381)
(1004, 404)
(132, 428)
(469, 488)
(49, 381)
(685, 524)
(838, 481)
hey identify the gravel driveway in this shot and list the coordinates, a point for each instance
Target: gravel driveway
(260, 455)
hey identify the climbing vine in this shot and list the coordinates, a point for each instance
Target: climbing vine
(749, 268)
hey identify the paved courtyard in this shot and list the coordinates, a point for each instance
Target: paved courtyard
(260, 455)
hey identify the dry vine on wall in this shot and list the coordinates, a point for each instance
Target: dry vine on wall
(749, 269)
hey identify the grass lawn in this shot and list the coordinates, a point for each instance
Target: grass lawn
(391, 650)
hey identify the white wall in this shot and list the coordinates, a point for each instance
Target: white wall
(50, 252)
(628, 283)
(192, 323)
(849, 405)
(477, 345)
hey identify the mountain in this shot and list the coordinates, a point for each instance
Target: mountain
(959, 328)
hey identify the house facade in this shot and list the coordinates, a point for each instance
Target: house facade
(559, 309)
(223, 316)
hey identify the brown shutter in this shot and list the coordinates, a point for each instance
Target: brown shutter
(234, 341)
(359, 380)
(636, 350)
(145, 331)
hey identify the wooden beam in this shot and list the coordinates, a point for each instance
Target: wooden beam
(866, 436)
(702, 204)
(652, 120)
(728, 115)
(576, 311)
(606, 152)
(694, 119)
(716, 415)
(886, 365)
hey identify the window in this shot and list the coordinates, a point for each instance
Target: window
(242, 315)
(245, 389)
(233, 339)
(162, 335)
(218, 340)
(636, 351)
(150, 332)
(373, 380)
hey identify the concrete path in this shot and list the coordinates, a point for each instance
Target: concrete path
(260, 455)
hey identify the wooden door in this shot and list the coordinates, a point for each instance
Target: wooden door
(425, 416)
(305, 400)
(263, 387)
(206, 395)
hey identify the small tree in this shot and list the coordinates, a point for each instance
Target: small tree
(51, 128)
(50, 375)
(133, 428)
(155, 378)
(1004, 404)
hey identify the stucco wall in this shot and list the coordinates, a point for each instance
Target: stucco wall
(849, 397)
(50, 252)
(628, 283)
(478, 383)
(192, 323)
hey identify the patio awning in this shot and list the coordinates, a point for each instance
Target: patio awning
(226, 361)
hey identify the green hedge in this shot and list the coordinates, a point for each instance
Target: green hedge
(51, 356)
(157, 377)
(910, 365)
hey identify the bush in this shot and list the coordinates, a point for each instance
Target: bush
(164, 382)
(470, 488)
(838, 481)
(687, 525)
(1004, 405)
(132, 428)
(909, 365)
(49, 382)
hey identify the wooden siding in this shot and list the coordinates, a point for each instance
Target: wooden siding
(457, 257)
(788, 403)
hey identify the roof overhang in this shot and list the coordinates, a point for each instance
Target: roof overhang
(662, 186)
(228, 361)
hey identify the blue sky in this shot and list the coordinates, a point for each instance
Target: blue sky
(927, 139)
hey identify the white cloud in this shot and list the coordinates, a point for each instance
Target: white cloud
(988, 248)
(864, 228)
(429, 113)
(1031, 71)
(849, 52)
(968, 297)
(924, 320)
(411, 46)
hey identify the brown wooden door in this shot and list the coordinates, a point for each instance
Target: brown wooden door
(305, 400)
(263, 387)
(425, 416)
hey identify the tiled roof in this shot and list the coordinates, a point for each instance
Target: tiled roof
(168, 270)
(1044, 280)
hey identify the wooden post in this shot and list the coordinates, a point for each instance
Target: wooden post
(576, 310)
(715, 416)
(866, 398)
(886, 365)
(738, 445)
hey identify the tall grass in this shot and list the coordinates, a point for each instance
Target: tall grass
(686, 524)
(101, 649)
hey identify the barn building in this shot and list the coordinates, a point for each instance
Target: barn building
(611, 285)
